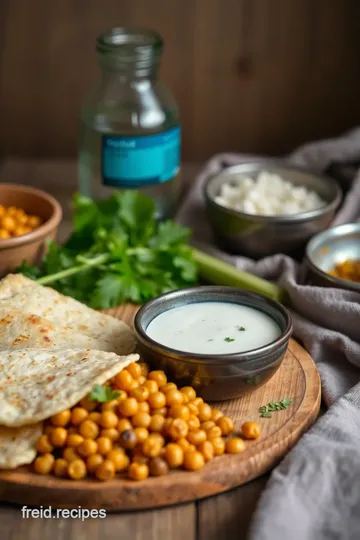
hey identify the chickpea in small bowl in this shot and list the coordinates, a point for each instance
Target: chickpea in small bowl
(28, 217)
(16, 222)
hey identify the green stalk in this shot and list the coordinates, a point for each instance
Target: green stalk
(221, 273)
(88, 263)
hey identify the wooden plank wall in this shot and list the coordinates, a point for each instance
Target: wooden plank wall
(250, 75)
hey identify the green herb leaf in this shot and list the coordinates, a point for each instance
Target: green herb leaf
(241, 329)
(117, 253)
(228, 339)
(274, 406)
(103, 393)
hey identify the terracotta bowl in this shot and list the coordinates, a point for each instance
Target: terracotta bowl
(29, 247)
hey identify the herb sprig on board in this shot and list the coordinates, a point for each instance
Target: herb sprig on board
(273, 406)
(117, 253)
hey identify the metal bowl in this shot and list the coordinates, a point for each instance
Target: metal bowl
(328, 248)
(215, 377)
(259, 236)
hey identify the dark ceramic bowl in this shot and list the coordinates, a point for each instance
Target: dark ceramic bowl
(259, 236)
(215, 377)
(328, 248)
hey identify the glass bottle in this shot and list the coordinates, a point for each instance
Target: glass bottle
(129, 124)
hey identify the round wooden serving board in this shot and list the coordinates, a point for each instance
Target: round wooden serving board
(296, 378)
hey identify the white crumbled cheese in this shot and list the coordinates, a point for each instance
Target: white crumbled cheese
(267, 195)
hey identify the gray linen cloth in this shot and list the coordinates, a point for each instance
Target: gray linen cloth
(314, 493)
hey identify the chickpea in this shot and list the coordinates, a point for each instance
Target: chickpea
(77, 469)
(4, 233)
(119, 459)
(174, 455)
(235, 445)
(141, 420)
(152, 386)
(108, 419)
(122, 397)
(251, 430)
(207, 450)
(193, 409)
(197, 401)
(128, 407)
(58, 437)
(178, 429)
(167, 422)
(109, 405)
(134, 384)
(43, 445)
(44, 463)
(19, 230)
(74, 440)
(61, 419)
(141, 434)
(124, 380)
(95, 417)
(128, 439)
(60, 467)
(8, 223)
(158, 376)
(144, 369)
(180, 411)
(159, 437)
(193, 461)
(157, 422)
(144, 407)
(158, 467)
(216, 414)
(87, 448)
(69, 454)
(214, 432)
(174, 397)
(88, 405)
(226, 425)
(196, 437)
(204, 412)
(124, 424)
(186, 400)
(193, 422)
(219, 446)
(157, 400)
(206, 426)
(34, 221)
(151, 446)
(78, 415)
(141, 380)
(138, 471)
(167, 387)
(183, 443)
(135, 370)
(104, 445)
(140, 394)
(106, 470)
(88, 429)
(162, 411)
(110, 433)
(189, 392)
(93, 462)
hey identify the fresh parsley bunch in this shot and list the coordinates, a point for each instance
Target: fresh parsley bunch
(117, 253)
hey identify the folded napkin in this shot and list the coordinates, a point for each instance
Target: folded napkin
(314, 493)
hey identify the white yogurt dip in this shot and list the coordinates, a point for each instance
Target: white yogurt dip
(213, 328)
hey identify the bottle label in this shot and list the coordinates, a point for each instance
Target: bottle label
(140, 160)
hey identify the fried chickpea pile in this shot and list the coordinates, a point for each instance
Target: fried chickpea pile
(149, 428)
(15, 222)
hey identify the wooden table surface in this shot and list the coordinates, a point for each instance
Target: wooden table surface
(222, 516)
